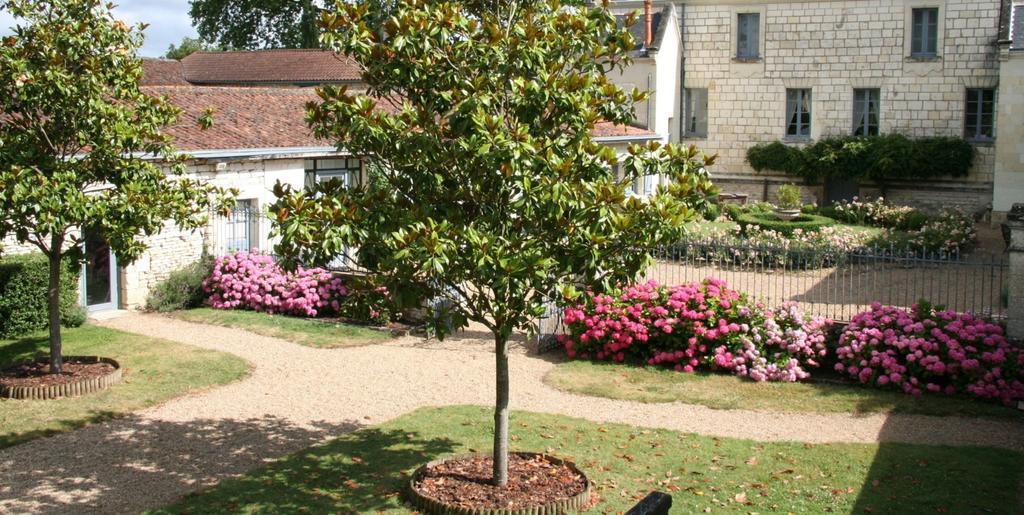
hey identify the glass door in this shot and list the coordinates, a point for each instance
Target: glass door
(99, 274)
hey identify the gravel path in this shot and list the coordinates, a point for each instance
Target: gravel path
(298, 396)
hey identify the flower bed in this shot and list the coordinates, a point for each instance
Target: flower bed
(249, 280)
(924, 350)
(693, 326)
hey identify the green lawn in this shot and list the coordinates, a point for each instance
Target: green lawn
(722, 391)
(365, 471)
(155, 371)
(303, 331)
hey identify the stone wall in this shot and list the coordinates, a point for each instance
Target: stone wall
(173, 248)
(833, 47)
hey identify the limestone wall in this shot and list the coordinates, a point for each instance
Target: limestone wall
(833, 47)
(1009, 158)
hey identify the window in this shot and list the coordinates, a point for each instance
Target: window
(798, 113)
(865, 112)
(748, 36)
(924, 38)
(696, 119)
(241, 226)
(1017, 28)
(979, 119)
(322, 170)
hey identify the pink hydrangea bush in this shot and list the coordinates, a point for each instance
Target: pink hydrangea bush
(693, 326)
(924, 350)
(780, 348)
(250, 280)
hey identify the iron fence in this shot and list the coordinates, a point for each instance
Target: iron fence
(836, 284)
(841, 284)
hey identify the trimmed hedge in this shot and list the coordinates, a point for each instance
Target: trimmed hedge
(892, 156)
(770, 222)
(24, 280)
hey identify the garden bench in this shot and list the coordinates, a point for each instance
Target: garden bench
(738, 198)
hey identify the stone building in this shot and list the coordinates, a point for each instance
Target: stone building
(258, 137)
(794, 71)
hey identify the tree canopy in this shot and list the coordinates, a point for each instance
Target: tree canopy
(252, 24)
(492, 192)
(79, 140)
(187, 47)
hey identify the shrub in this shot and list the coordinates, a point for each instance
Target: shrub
(367, 301)
(951, 231)
(711, 212)
(769, 222)
(891, 156)
(182, 289)
(780, 348)
(692, 326)
(789, 196)
(74, 316)
(777, 156)
(925, 350)
(878, 213)
(733, 211)
(24, 281)
(254, 281)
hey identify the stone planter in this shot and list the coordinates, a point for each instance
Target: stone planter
(787, 215)
(432, 506)
(75, 389)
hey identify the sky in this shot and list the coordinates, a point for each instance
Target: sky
(168, 22)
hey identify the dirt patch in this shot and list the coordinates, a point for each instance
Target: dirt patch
(38, 373)
(534, 481)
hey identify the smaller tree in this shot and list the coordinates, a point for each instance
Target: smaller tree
(187, 47)
(491, 190)
(79, 141)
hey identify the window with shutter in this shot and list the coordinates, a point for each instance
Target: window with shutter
(748, 35)
(924, 38)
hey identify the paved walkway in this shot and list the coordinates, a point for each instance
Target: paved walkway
(298, 396)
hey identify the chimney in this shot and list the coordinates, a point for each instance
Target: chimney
(648, 24)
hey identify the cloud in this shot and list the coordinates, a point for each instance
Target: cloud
(168, 22)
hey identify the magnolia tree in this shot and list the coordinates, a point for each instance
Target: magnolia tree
(78, 140)
(491, 191)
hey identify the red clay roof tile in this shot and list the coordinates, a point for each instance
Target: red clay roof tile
(281, 66)
(250, 117)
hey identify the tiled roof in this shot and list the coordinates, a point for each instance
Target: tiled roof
(609, 129)
(285, 66)
(263, 118)
(162, 72)
(243, 118)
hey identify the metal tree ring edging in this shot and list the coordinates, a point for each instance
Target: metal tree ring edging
(74, 389)
(567, 505)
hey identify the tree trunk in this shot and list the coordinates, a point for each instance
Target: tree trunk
(501, 412)
(53, 307)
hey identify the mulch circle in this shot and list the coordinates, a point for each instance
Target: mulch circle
(79, 376)
(537, 484)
